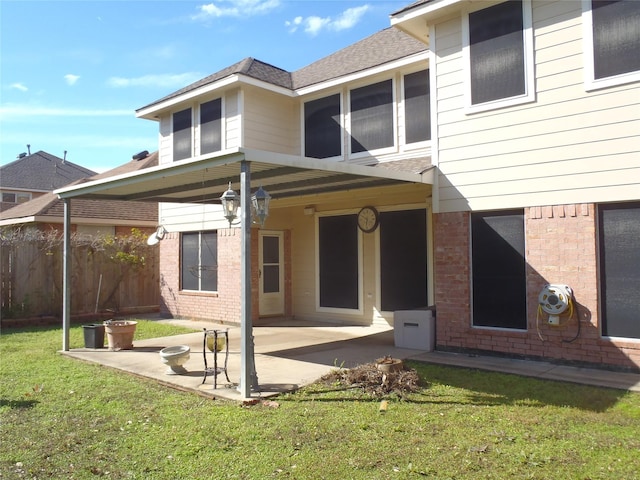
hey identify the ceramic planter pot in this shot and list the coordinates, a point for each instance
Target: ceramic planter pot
(120, 334)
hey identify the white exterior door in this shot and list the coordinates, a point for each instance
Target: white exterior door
(271, 265)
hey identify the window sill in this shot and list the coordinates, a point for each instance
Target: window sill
(196, 293)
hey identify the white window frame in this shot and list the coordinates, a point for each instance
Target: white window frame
(590, 82)
(394, 118)
(529, 64)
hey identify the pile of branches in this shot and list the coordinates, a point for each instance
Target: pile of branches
(373, 382)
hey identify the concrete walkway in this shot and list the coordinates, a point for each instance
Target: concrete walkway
(289, 355)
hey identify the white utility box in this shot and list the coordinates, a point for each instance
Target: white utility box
(414, 329)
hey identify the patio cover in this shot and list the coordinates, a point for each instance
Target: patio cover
(204, 179)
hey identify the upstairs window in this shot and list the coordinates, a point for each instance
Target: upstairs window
(182, 124)
(612, 36)
(199, 261)
(498, 46)
(372, 126)
(417, 107)
(211, 126)
(322, 128)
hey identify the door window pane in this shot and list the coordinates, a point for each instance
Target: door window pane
(403, 260)
(338, 251)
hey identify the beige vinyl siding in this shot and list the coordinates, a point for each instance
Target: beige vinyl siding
(232, 120)
(271, 121)
(165, 147)
(568, 146)
(180, 217)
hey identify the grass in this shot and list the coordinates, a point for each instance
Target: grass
(62, 418)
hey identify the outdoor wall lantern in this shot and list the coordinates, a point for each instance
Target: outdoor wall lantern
(230, 201)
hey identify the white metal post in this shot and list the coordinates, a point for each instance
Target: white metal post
(66, 276)
(248, 375)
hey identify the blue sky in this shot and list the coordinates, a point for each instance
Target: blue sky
(72, 73)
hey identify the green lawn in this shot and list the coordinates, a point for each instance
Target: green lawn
(62, 418)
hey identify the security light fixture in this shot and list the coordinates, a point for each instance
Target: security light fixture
(230, 201)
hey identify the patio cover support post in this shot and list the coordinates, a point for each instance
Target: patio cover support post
(66, 276)
(248, 375)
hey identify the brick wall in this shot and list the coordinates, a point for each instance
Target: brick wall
(560, 248)
(221, 306)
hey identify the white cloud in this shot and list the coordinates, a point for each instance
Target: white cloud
(163, 80)
(71, 79)
(313, 24)
(19, 86)
(38, 111)
(234, 8)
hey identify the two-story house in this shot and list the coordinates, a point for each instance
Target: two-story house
(464, 158)
(536, 138)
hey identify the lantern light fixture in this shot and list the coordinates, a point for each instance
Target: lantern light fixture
(230, 201)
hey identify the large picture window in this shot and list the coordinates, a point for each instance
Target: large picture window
(211, 126)
(416, 107)
(619, 232)
(372, 117)
(322, 129)
(403, 260)
(199, 261)
(613, 41)
(338, 261)
(500, 60)
(182, 134)
(498, 269)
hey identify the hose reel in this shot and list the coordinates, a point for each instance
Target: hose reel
(555, 300)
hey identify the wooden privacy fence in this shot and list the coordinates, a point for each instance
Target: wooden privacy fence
(106, 274)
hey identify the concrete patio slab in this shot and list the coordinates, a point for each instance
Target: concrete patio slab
(289, 355)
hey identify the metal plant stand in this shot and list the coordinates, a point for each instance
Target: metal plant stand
(215, 341)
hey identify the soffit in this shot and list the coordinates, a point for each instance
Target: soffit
(204, 179)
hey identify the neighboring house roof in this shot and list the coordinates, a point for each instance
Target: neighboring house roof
(382, 47)
(49, 207)
(42, 172)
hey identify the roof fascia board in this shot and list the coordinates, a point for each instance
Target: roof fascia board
(403, 62)
(422, 10)
(336, 167)
(17, 221)
(152, 111)
(184, 166)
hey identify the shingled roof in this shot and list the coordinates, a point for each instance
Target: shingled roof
(382, 47)
(42, 172)
(50, 206)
